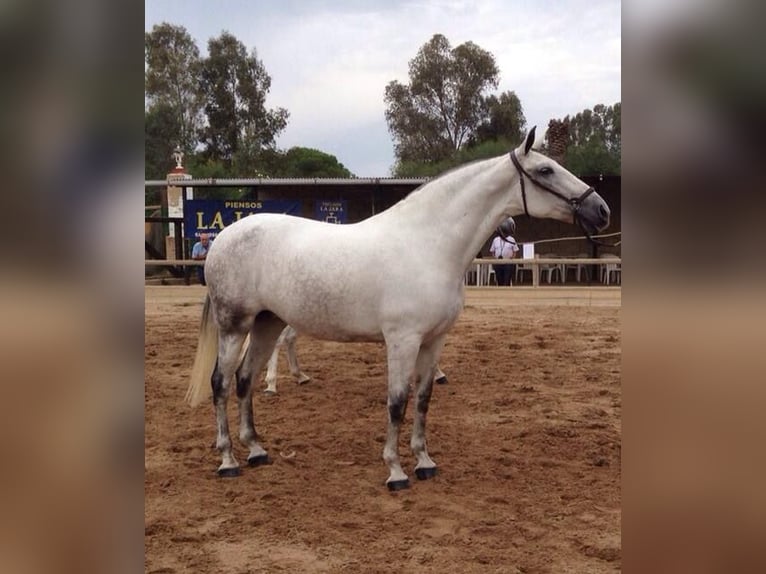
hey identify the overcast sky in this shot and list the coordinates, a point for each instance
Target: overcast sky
(330, 60)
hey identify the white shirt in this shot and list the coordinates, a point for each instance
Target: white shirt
(504, 248)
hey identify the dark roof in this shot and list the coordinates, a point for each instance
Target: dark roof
(317, 181)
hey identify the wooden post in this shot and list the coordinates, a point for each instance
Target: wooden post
(594, 270)
(174, 198)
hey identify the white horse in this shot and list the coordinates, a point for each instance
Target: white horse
(396, 277)
(288, 338)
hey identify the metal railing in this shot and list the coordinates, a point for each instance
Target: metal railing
(607, 270)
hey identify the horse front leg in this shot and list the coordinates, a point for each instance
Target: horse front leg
(229, 347)
(425, 370)
(401, 367)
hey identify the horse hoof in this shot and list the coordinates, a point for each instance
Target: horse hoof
(425, 473)
(229, 472)
(259, 460)
(442, 380)
(269, 392)
(395, 485)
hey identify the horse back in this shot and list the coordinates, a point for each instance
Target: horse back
(321, 278)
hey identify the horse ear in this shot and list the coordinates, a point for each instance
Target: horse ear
(530, 140)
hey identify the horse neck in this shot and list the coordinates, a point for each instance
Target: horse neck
(453, 216)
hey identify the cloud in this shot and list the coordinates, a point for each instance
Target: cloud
(331, 60)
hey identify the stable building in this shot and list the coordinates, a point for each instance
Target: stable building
(354, 199)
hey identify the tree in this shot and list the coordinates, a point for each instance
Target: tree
(593, 140)
(202, 167)
(307, 162)
(483, 150)
(161, 128)
(444, 104)
(172, 82)
(235, 85)
(505, 121)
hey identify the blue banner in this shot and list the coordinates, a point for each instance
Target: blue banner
(331, 211)
(212, 215)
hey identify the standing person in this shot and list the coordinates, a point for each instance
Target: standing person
(199, 253)
(504, 247)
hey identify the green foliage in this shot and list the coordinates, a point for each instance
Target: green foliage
(592, 158)
(506, 120)
(172, 82)
(484, 150)
(161, 128)
(214, 105)
(439, 112)
(235, 85)
(307, 162)
(204, 167)
(594, 141)
(296, 162)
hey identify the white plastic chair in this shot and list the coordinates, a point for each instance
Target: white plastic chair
(611, 271)
(550, 269)
(521, 268)
(578, 268)
(491, 277)
(484, 274)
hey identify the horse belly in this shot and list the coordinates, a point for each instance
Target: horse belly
(336, 328)
(329, 314)
(343, 335)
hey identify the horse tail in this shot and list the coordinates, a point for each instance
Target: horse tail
(207, 353)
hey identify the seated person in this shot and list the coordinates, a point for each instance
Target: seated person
(199, 253)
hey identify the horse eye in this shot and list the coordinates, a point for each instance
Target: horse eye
(545, 170)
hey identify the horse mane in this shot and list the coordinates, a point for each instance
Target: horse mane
(441, 178)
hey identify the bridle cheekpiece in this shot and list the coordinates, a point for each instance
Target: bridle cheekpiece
(575, 203)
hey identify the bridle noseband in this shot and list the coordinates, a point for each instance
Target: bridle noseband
(575, 203)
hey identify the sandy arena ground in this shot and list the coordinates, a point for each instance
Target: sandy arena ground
(526, 435)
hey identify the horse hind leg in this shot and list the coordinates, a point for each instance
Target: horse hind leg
(271, 369)
(229, 347)
(425, 369)
(290, 336)
(263, 338)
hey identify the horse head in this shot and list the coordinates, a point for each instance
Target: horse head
(549, 190)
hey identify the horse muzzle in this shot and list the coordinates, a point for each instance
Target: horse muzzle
(593, 213)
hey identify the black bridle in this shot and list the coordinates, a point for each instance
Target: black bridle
(575, 203)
